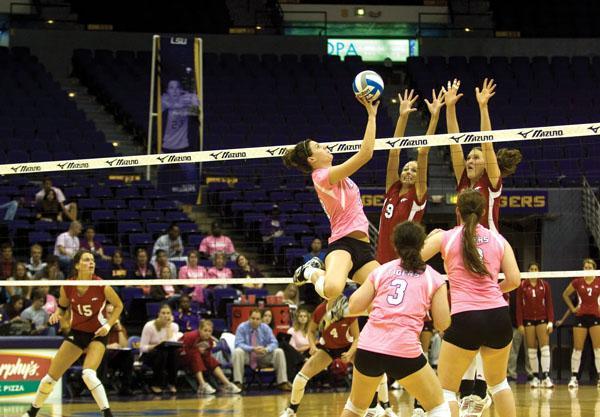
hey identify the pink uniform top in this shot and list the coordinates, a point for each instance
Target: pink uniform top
(468, 290)
(399, 310)
(342, 205)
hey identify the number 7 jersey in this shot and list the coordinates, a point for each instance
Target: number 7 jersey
(87, 310)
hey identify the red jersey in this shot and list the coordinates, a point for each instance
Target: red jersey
(192, 340)
(337, 335)
(588, 296)
(397, 209)
(491, 195)
(534, 302)
(87, 309)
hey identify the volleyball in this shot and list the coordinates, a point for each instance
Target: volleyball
(368, 84)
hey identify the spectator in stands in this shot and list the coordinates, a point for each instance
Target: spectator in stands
(216, 243)
(290, 295)
(90, 243)
(7, 262)
(194, 271)
(50, 303)
(117, 267)
(12, 310)
(161, 360)
(70, 209)
(11, 210)
(19, 274)
(185, 318)
(197, 356)
(299, 332)
(219, 270)
(255, 345)
(143, 269)
(162, 260)
(48, 208)
(168, 293)
(38, 317)
(35, 261)
(51, 271)
(118, 357)
(315, 250)
(67, 245)
(170, 242)
(266, 315)
(246, 269)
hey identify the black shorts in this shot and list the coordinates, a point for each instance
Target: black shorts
(472, 329)
(428, 326)
(83, 339)
(528, 323)
(333, 353)
(587, 321)
(376, 364)
(360, 252)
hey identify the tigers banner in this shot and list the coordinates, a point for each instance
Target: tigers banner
(178, 112)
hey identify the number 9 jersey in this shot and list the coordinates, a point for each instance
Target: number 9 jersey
(87, 310)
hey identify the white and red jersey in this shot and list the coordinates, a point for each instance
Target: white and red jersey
(468, 290)
(397, 209)
(342, 205)
(337, 334)
(399, 309)
(588, 296)
(491, 195)
(87, 309)
(534, 302)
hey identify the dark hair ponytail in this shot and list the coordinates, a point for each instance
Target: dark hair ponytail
(297, 157)
(408, 239)
(471, 206)
(508, 159)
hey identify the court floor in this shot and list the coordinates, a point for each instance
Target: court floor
(559, 402)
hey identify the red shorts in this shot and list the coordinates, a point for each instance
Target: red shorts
(199, 363)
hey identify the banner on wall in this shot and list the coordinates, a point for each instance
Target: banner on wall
(21, 372)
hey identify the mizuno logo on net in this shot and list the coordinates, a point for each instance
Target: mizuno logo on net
(541, 133)
(227, 155)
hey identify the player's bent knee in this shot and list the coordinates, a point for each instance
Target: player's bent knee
(502, 386)
(90, 378)
(354, 409)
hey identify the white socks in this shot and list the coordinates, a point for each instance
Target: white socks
(575, 361)
(96, 388)
(545, 358)
(382, 390)
(597, 359)
(298, 387)
(442, 410)
(44, 390)
(533, 361)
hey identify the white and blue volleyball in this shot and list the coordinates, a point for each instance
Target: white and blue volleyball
(368, 84)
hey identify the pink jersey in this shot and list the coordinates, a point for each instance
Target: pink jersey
(399, 310)
(468, 290)
(342, 205)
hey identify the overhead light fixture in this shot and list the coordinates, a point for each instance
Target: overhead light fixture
(71, 94)
(258, 27)
(50, 22)
(394, 101)
(359, 11)
(467, 29)
(115, 144)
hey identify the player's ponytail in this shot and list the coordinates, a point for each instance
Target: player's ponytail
(408, 239)
(508, 159)
(297, 157)
(471, 206)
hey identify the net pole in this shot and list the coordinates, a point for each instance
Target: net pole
(151, 113)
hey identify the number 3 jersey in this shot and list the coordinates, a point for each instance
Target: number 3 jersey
(397, 209)
(337, 335)
(399, 309)
(87, 310)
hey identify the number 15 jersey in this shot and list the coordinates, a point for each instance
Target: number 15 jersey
(87, 309)
(399, 309)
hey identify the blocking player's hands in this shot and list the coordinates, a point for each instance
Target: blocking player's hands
(348, 356)
(452, 95)
(407, 102)
(437, 102)
(486, 92)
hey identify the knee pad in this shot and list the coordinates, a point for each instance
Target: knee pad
(500, 387)
(320, 286)
(90, 378)
(352, 408)
(47, 384)
(545, 350)
(442, 410)
(301, 380)
(449, 396)
(597, 353)
(576, 355)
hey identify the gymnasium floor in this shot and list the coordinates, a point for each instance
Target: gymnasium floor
(530, 403)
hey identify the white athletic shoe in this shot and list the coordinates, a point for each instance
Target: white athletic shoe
(472, 406)
(396, 385)
(535, 382)
(206, 388)
(339, 307)
(377, 411)
(288, 412)
(547, 383)
(573, 383)
(299, 278)
(390, 413)
(231, 388)
(419, 412)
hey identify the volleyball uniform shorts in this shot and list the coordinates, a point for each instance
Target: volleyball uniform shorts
(333, 353)
(375, 364)
(528, 323)
(472, 329)
(360, 252)
(83, 339)
(587, 321)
